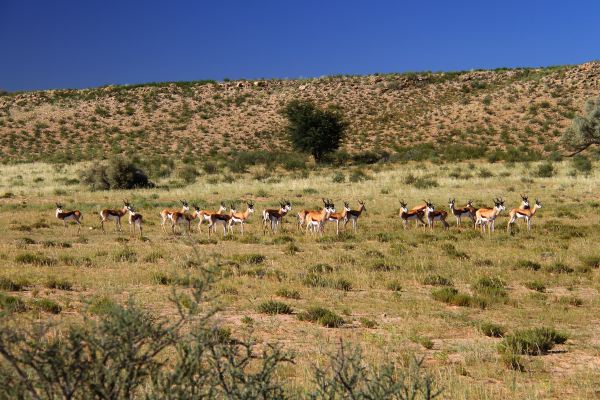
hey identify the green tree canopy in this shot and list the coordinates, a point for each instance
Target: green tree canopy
(313, 130)
(585, 129)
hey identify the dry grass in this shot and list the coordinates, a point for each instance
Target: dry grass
(385, 274)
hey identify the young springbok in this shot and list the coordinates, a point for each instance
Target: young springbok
(65, 216)
(432, 215)
(240, 218)
(167, 213)
(316, 219)
(467, 211)
(184, 218)
(353, 215)
(223, 219)
(410, 215)
(274, 217)
(339, 216)
(487, 216)
(527, 214)
(113, 215)
(205, 214)
(135, 220)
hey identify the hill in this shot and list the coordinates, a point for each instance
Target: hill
(487, 109)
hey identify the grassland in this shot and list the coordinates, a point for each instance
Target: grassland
(387, 284)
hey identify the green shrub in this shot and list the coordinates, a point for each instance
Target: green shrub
(187, 173)
(445, 294)
(251, 259)
(437, 280)
(535, 285)
(342, 284)
(491, 329)
(119, 173)
(571, 301)
(526, 264)
(322, 316)
(125, 255)
(102, 305)
(558, 268)
(288, 293)
(338, 177)
(358, 176)
(12, 285)
(46, 305)
(273, 307)
(581, 164)
(11, 304)
(367, 323)
(512, 361)
(490, 288)
(423, 341)
(35, 259)
(545, 170)
(394, 285)
(534, 341)
(60, 284)
(591, 261)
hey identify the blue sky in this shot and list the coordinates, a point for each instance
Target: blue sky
(75, 44)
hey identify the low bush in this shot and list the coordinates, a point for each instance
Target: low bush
(321, 316)
(251, 259)
(526, 264)
(60, 284)
(35, 259)
(493, 289)
(119, 173)
(545, 170)
(288, 293)
(11, 285)
(394, 285)
(368, 323)
(46, 305)
(491, 329)
(570, 301)
(436, 280)
(342, 284)
(535, 285)
(11, 304)
(591, 261)
(558, 268)
(273, 307)
(534, 341)
(423, 341)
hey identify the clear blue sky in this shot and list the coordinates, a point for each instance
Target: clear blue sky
(83, 43)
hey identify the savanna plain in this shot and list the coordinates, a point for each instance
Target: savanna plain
(456, 299)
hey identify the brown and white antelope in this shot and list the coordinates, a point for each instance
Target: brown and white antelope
(487, 216)
(168, 212)
(184, 218)
(467, 211)
(432, 215)
(204, 215)
(274, 217)
(353, 215)
(420, 207)
(113, 215)
(135, 220)
(65, 216)
(223, 219)
(241, 217)
(527, 214)
(524, 202)
(315, 220)
(407, 215)
(339, 216)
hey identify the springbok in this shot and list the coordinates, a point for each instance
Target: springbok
(274, 217)
(467, 211)
(113, 215)
(527, 214)
(524, 202)
(65, 216)
(432, 215)
(316, 219)
(205, 214)
(410, 215)
(222, 219)
(167, 213)
(487, 216)
(135, 220)
(339, 216)
(240, 218)
(184, 218)
(353, 215)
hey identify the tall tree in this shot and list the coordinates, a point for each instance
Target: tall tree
(313, 130)
(584, 130)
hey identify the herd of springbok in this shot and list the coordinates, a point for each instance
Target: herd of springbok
(310, 220)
